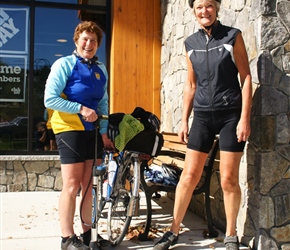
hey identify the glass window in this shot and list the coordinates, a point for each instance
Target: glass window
(90, 2)
(60, 1)
(14, 72)
(53, 39)
(22, 80)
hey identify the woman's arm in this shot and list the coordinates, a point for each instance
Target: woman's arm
(241, 59)
(188, 96)
(55, 84)
(103, 107)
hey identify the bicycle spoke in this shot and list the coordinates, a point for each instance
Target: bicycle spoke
(118, 221)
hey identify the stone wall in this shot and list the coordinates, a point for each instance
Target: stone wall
(264, 218)
(30, 173)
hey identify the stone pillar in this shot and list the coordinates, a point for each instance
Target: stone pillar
(268, 214)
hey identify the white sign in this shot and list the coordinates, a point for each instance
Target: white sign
(13, 75)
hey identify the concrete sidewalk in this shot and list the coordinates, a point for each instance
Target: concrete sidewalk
(29, 221)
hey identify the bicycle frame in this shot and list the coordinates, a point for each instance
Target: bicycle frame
(124, 162)
(98, 173)
(135, 199)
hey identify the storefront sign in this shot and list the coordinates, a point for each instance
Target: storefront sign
(12, 78)
(14, 30)
(13, 54)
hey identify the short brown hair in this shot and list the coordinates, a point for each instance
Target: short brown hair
(88, 26)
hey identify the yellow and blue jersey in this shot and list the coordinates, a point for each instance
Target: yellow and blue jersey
(73, 82)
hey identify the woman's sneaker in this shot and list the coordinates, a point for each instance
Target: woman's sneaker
(74, 243)
(231, 243)
(168, 239)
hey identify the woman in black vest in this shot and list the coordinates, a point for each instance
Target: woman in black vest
(216, 56)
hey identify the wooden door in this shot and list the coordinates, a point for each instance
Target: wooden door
(135, 56)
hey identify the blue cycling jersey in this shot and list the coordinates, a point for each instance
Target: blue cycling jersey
(73, 82)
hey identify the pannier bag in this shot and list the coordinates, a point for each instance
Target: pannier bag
(147, 141)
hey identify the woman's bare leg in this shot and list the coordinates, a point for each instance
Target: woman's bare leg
(71, 175)
(229, 169)
(193, 168)
(87, 202)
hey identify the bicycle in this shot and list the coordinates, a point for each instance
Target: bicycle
(123, 198)
(123, 201)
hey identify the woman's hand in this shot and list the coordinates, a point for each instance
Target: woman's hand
(89, 115)
(108, 144)
(183, 133)
(243, 130)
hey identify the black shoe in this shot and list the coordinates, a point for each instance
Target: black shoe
(231, 243)
(86, 238)
(74, 243)
(168, 239)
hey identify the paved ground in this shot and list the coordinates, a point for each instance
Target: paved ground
(29, 221)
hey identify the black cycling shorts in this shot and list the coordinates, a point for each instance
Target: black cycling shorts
(78, 146)
(207, 124)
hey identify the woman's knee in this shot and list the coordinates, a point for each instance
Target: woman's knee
(189, 180)
(230, 185)
(71, 186)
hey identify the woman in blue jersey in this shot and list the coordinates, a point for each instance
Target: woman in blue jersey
(76, 89)
(216, 56)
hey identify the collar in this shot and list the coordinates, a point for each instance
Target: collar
(93, 60)
(214, 29)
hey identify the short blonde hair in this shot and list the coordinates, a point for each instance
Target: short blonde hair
(216, 3)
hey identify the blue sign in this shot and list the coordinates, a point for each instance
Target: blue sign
(14, 30)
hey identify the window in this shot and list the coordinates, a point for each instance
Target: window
(26, 55)
(14, 58)
(60, 1)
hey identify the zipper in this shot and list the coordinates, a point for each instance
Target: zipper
(208, 74)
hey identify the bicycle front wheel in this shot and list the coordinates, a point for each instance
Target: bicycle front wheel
(118, 221)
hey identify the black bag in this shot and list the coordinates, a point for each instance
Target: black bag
(147, 142)
(148, 119)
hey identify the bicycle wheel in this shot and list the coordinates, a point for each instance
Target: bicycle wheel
(118, 220)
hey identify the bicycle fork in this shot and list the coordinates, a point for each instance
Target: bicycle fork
(134, 204)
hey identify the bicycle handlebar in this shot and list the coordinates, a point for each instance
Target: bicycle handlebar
(100, 117)
(103, 117)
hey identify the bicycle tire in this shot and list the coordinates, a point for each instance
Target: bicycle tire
(118, 221)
